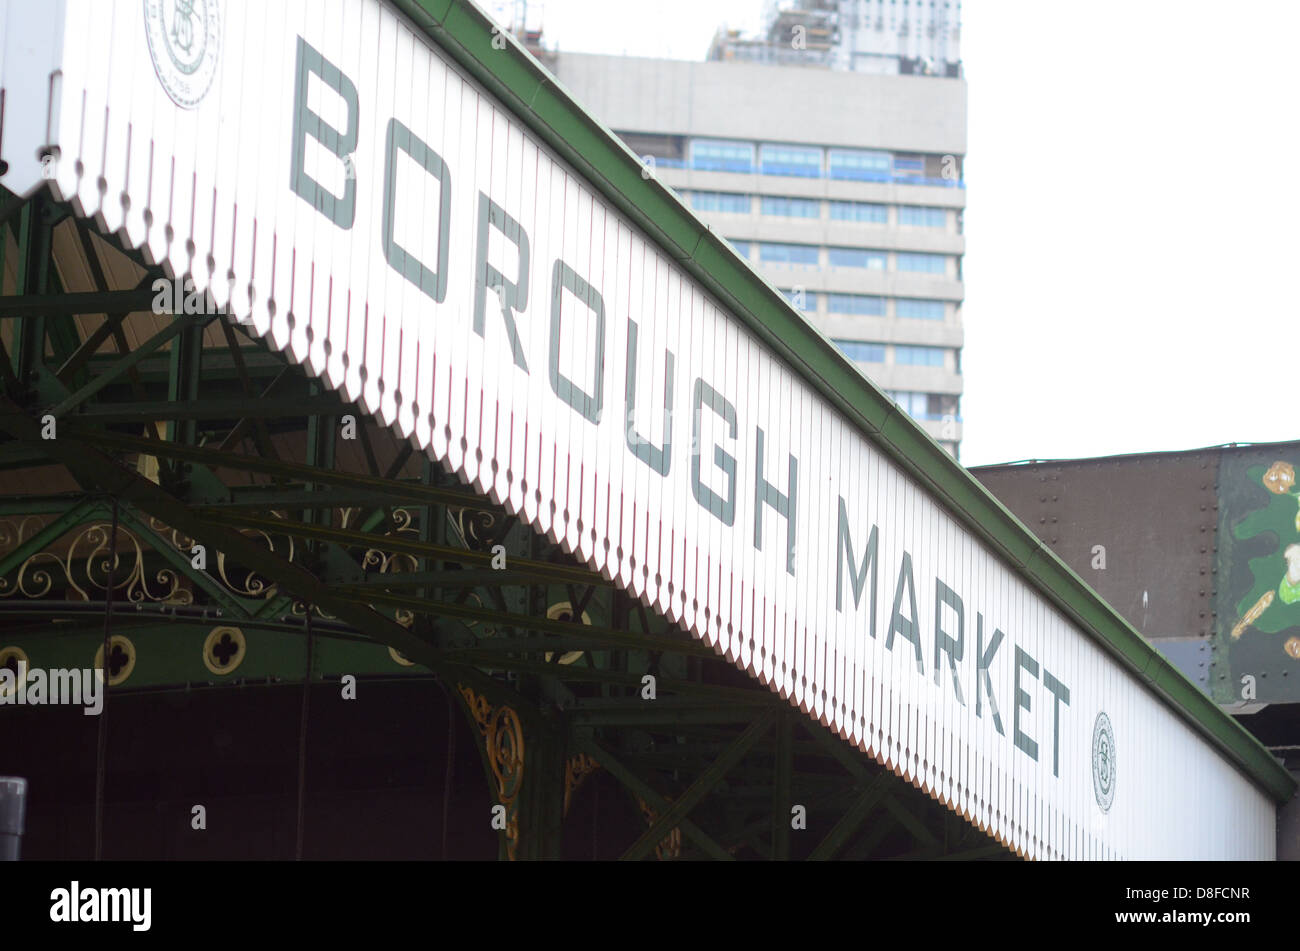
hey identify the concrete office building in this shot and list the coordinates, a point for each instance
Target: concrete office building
(872, 36)
(843, 188)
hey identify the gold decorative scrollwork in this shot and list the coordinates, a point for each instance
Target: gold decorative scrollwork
(503, 735)
(392, 562)
(182, 541)
(298, 609)
(251, 584)
(576, 770)
(84, 566)
(669, 847)
(477, 528)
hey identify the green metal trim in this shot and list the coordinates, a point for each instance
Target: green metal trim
(466, 33)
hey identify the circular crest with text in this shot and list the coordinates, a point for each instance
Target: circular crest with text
(184, 43)
(1103, 762)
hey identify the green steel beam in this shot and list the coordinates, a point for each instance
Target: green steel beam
(8, 378)
(148, 617)
(33, 272)
(783, 763)
(97, 471)
(575, 673)
(206, 408)
(36, 504)
(261, 499)
(867, 844)
(909, 822)
(642, 790)
(681, 806)
(665, 711)
(850, 822)
(469, 577)
(70, 372)
(294, 472)
(393, 544)
(261, 435)
(852, 760)
(128, 361)
(76, 304)
(578, 633)
(182, 387)
(83, 511)
(247, 422)
(218, 365)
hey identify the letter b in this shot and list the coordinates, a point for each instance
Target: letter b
(340, 210)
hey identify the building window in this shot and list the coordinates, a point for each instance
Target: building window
(909, 166)
(919, 356)
(861, 305)
(797, 160)
(792, 207)
(860, 352)
(857, 165)
(922, 217)
(857, 257)
(787, 253)
(715, 156)
(923, 263)
(919, 309)
(721, 201)
(859, 211)
(802, 300)
(742, 247)
(915, 405)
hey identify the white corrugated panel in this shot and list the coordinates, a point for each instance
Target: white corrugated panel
(189, 151)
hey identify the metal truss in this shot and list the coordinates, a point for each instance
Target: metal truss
(175, 491)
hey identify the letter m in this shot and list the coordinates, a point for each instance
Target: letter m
(119, 900)
(65, 686)
(857, 573)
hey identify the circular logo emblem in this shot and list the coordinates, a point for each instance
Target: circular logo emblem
(1103, 762)
(184, 42)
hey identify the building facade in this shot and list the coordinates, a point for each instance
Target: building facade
(872, 36)
(385, 432)
(843, 189)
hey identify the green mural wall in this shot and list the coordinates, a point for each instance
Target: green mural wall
(1258, 601)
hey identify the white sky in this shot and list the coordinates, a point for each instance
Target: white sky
(1133, 230)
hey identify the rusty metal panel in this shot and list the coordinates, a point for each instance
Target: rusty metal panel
(1139, 529)
(383, 219)
(1196, 553)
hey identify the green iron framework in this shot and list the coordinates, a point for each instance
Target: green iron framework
(179, 498)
